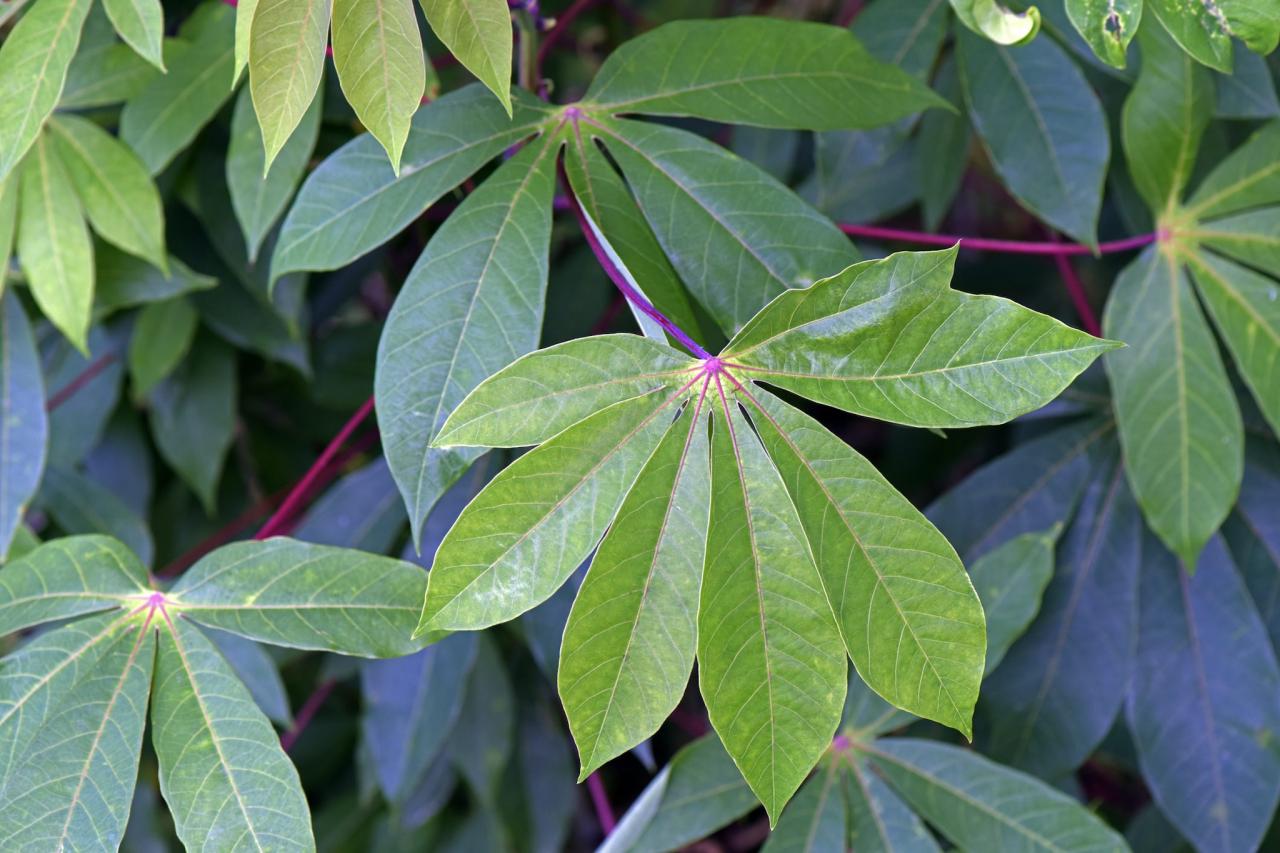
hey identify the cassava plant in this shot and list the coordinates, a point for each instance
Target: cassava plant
(740, 453)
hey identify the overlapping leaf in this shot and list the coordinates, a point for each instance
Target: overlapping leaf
(24, 426)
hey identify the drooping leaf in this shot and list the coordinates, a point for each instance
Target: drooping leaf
(526, 531)
(1107, 25)
(771, 665)
(378, 55)
(905, 607)
(193, 416)
(79, 505)
(164, 117)
(698, 792)
(161, 338)
(1060, 687)
(1253, 534)
(124, 281)
(890, 339)
(478, 33)
(995, 21)
(1164, 118)
(305, 596)
(286, 60)
(1178, 418)
(1042, 126)
(544, 392)
(1248, 178)
(69, 783)
(258, 201)
(34, 59)
(1010, 582)
(53, 243)
(118, 196)
(980, 805)
(630, 639)
(772, 73)
(472, 304)
(816, 819)
(880, 821)
(257, 672)
(710, 211)
(108, 72)
(24, 426)
(222, 772)
(480, 743)
(1205, 701)
(141, 24)
(943, 148)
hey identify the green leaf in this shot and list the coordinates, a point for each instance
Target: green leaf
(108, 72)
(8, 223)
(630, 639)
(33, 68)
(81, 505)
(193, 416)
(354, 201)
(697, 793)
(306, 596)
(286, 62)
(996, 22)
(76, 426)
(1164, 118)
(125, 281)
(245, 10)
(162, 336)
(411, 705)
(68, 577)
(1252, 237)
(258, 201)
(1107, 25)
(53, 243)
(120, 200)
(1244, 308)
(257, 671)
(891, 340)
(980, 805)
(1249, 93)
(526, 532)
(24, 425)
(141, 24)
(881, 821)
(1179, 422)
(908, 34)
(165, 117)
(1248, 178)
(1253, 531)
(69, 781)
(1200, 28)
(943, 147)
(378, 54)
(711, 210)
(905, 607)
(478, 33)
(771, 666)
(1042, 126)
(481, 741)
(1010, 582)
(773, 73)
(222, 771)
(816, 819)
(472, 303)
(1205, 701)
(546, 391)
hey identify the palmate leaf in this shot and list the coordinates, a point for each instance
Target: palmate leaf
(817, 819)
(68, 577)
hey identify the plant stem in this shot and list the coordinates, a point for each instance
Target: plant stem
(600, 802)
(81, 379)
(1075, 289)
(1016, 247)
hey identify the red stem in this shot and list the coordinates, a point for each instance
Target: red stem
(1075, 289)
(306, 713)
(1017, 247)
(600, 801)
(82, 379)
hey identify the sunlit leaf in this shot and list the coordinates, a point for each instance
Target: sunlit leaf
(478, 32)
(994, 20)
(141, 24)
(286, 60)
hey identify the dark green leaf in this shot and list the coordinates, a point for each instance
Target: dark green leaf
(162, 336)
(480, 744)
(1010, 582)
(943, 148)
(257, 671)
(24, 426)
(125, 281)
(80, 505)
(816, 820)
(1253, 532)
(881, 821)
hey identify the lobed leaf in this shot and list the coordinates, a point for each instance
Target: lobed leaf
(24, 425)
(1249, 177)
(816, 819)
(881, 821)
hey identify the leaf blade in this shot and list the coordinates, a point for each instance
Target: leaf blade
(24, 425)
(478, 32)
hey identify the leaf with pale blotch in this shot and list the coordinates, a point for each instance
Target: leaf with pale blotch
(286, 61)
(1107, 25)
(72, 784)
(1177, 414)
(542, 393)
(305, 596)
(880, 821)
(378, 55)
(771, 665)
(68, 577)
(890, 339)
(1010, 582)
(1200, 28)
(994, 20)
(54, 247)
(1245, 306)
(24, 424)
(771, 73)
(711, 212)
(909, 615)
(526, 532)
(141, 24)
(222, 772)
(630, 638)
(816, 820)
(1248, 178)
(472, 304)
(34, 59)
(478, 33)
(119, 198)
(980, 805)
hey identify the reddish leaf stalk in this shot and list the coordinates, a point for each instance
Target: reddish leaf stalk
(306, 713)
(1016, 247)
(82, 379)
(1079, 298)
(600, 802)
